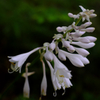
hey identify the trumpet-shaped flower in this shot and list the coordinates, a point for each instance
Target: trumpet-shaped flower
(63, 70)
(18, 61)
(59, 79)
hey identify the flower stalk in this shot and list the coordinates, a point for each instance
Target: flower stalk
(74, 46)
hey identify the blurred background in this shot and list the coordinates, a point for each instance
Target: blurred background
(27, 24)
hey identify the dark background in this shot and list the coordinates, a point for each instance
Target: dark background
(27, 24)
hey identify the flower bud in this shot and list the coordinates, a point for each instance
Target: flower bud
(70, 15)
(48, 55)
(52, 46)
(66, 44)
(91, 38)
(71, 48)
(61, 56)
(59, 29)
(86, 24)
(93, 15)
(90, 29)
(84, 45)
(84, 40)
(82, 51)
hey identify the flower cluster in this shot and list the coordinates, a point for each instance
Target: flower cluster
(73, 46)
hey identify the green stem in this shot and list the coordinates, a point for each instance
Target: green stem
(78, 20)
(76, 23)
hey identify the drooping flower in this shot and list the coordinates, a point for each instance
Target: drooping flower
(55, 82)
(18, 61)
(44, 81)
(26, 88)
(59, 77)
(62, 68)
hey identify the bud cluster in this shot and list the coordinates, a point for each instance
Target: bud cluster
(73, 46)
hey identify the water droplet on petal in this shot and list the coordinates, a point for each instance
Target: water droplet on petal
(64, 92)
(55, 94)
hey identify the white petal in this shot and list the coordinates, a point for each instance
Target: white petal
(70, 15)
(74, 59)
(44, 81)
(59, 29)
(84, 39)
(61, 67)
(65, 43)
(92, 15)
(48, 55)
(84, 45)
(82, 8)
(44, 86)
(67, 82)
(26, 89)
(61, 56)
(86, 24)
(90, 29)
(82, 51)
(84, 60)
(55, 82)
(71, 48)
(91, 38)
(52, 46)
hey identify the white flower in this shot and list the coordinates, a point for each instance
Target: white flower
(63, 70)
(76, 59)
(86, 39)
(61, 55)
(48, 55)
(18, 61)
(55, 82)
(87, 14)
(64, 82)
(73, 16)
(59, 78)
(90, 29)
(65, 43)
(26, 88)
(84, 45)
(91, 38)
(62, 29)
(81, 51)
(52, 45)
(85, 25)
(44, 81)
(77, 33)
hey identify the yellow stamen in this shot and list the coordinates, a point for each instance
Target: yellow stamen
(61, 75)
